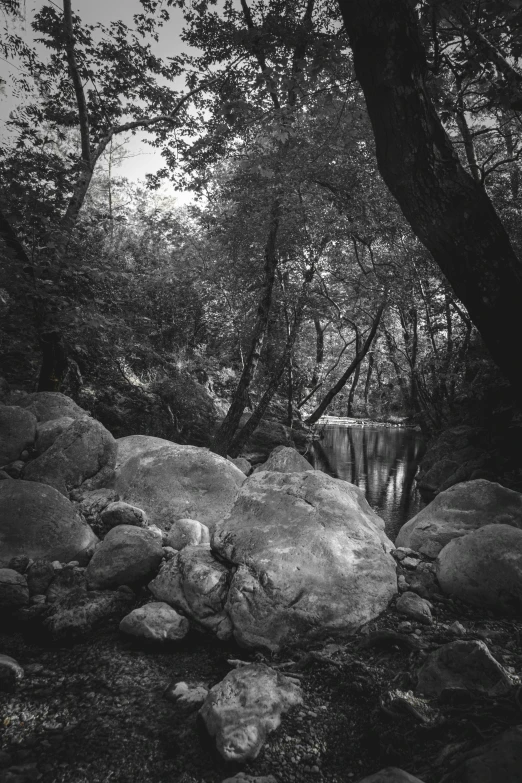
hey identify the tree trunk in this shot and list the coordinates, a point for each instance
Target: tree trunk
(226, 431)
(327, 399)
(355, 376)
(54, 362)
(450, 212)
(319, 352)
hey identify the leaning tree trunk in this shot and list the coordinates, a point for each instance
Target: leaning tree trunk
(450, 212)
(336, 388)
(227, 430)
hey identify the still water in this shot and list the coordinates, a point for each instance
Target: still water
(382, 461)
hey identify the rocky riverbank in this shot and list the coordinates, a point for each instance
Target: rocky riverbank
(165, 617)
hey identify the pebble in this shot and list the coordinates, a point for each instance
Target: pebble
(410, 562)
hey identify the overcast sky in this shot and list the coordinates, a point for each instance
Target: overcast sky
(144, 158)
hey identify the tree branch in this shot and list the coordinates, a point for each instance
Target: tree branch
(83, 114)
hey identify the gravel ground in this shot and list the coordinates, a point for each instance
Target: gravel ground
(97, 711)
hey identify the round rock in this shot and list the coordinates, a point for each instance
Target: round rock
(171, 482)
(458, 511)
(37, 521)
(155, 621)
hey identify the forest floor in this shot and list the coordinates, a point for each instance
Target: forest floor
(97, 711)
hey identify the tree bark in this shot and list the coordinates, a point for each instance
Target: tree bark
(355, 381)
(327, 399)
(449, 212)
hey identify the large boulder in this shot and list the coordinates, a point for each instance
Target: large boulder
(459, 510)
(48, 431)
(245, 707)
(499, 761)
(171, 482)
(311, 559)
(285, 459)
(83, 451)
(51, 405)
(36, 520)
(127, 555)
(484, 568)
(196, 584)
(17, 432)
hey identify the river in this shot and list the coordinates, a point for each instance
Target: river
(382, 461)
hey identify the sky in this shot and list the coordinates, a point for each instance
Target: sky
(142, 159)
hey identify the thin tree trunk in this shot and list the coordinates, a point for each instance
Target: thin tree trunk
(467, 138)
(319, 352)
(356, 374)
(327, 399)
(248, 429)
(371, 359)
(450, 212)
(226, 431)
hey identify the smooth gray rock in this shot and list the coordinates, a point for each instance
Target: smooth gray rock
(171, 482)
(285, 459)
(484, 568)
(157, 622)
(463, 665)
(187, 532)
(196, 584)
(498, 761)
(241, 710)
(120, 513)
(14, 592)
(81, 452)
(413, 606)
(241, 463)
(312, 559)
(47, 406)
(458, 511)
(10, 673)
(127, 555)
(17, 432)
(38, 521)
(48, 431)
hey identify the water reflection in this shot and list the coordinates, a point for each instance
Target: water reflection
(381, 461)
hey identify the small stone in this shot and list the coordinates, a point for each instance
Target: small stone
(14, 592)
(37, 599)
(405, 627)
(186, 693)
(10, 673)
(156, 621)
(415, 607)
(57, 565)
(457, 628)
(14, 469)
(24, 455)
(169, 552)
(410, 562)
